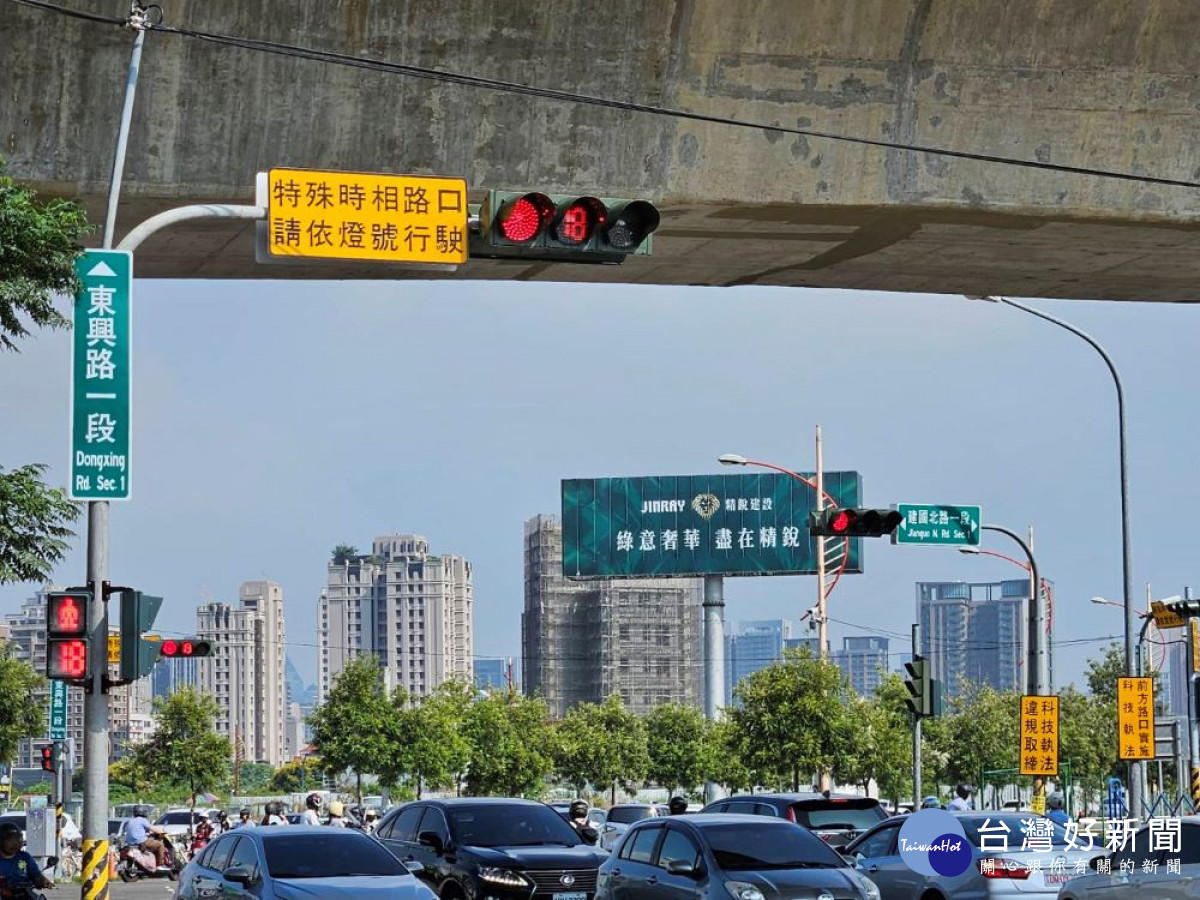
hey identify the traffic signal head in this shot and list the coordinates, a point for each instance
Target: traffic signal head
(138, 612)
(918, 701)
(1185, 608)
(851, 522)
(48, 757)
(184, 648)
(564, 227)
(67, 635)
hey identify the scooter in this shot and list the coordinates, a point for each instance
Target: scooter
(136, 863)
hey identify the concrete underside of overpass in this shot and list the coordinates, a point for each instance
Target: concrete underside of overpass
(1104, 84)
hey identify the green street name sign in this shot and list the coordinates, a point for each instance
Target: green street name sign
(58, 710)
(100, 383)
(938, 524)
(687, 525)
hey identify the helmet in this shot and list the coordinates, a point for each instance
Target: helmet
(8, 829)
(931, 803)
(578, 808)
(313, 801)
(963, 790)
(143, 811)
(336, 808)
(222, 816)
(245, 811)
(1054, 801)
(678, 805)
(274, 808)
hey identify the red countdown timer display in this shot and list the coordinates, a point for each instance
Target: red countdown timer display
(67, 634)
(67, 659)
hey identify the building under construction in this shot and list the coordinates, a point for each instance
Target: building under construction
(582, 640)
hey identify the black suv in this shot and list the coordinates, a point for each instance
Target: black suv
(834, 818)
(475, 848)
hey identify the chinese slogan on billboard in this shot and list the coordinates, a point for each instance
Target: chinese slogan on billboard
(1039, 735)
(1135, 718)
(349, 215)
(744, 524)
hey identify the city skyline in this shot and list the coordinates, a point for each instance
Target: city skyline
(1028, 432)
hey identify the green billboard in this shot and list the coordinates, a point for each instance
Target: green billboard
(743, 524)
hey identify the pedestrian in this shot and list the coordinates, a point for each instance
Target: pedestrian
(962, 798)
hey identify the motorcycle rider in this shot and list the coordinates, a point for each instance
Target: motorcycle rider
(337, 814)
(16, 865)
(274, 814)
(931, 802)
(312, 805)
(962, 798)
(244, 820)
(138, 832)
(1055, 812)
(678, 805)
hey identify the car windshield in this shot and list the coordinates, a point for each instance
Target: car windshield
(335, 854)
(844, 814)
(753, 846)
(1008, 831)
(177, 818)
(624, 815)
(504, 825)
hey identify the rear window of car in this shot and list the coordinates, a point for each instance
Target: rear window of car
(336, 854)
(1010, 828)
(624, 815)
(754, 847)
(856, 815)
(177, 818)
(509, 825)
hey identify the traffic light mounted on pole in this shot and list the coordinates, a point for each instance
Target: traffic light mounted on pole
(184, 648)
(68, 639)
(924, 698)
(563, 227)
(841, 522)
(138, 612)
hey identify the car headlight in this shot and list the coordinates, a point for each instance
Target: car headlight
(742, 890)
(504, 877)
(870, 889)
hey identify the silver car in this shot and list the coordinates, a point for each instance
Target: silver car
(620, 817)
(999, 868)
(1139, 871)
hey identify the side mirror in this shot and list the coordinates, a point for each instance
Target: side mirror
(239, 875)
(838, 848)
(682, 867)
(432, 840)
(413, 866)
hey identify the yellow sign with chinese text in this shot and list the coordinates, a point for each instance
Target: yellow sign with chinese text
(1039, 735)
(1135, 718)
(1163, 617)
(114, 649)
(361, 216)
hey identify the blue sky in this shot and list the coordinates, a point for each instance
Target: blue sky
(274, 420)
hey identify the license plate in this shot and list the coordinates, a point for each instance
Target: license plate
(1057, 878)
(572, 895)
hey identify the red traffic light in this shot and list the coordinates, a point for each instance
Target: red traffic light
(184, 648)
(48, 757)
(66, 614)
(523, 219)
(67, 659)
(841, 522)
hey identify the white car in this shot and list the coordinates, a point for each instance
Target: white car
(620, 817)
(181, 820)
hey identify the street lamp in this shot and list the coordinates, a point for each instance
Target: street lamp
(1135, 768)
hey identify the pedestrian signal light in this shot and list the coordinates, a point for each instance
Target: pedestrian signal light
(48, 757)
(184, 648)
(853, 522)
(564, 227)
(67, 641)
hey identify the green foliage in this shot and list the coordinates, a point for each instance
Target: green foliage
(39, 243)
(881, 748)
(291, 777)
(679, 744)
(432, 748)
(510, 743)
(185, 748)
(254, 778)
(356, 726)
(344, 553)
(1103, 673)
(20, 715)
(981, 734)
(791, 719)
(725, 765)
(33, 525)
(602, 744)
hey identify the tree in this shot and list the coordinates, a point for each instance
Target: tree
(725, 765)
(20, 715)
(39, 243)
(432, 747)
(293, 777)
(1103, 673)
(881, 748)
(33, 525)
(601, 744)
(356, 725)
(185, 748)
(678, 745)
(344, 553)
(254, 778)
(791, 718)
(980, 735)
(510, 742)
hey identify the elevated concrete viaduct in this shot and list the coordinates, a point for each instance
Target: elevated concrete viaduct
(1107, 84)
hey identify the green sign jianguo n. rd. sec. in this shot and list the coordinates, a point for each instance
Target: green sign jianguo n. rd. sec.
(686, 525)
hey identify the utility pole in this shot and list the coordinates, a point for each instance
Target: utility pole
(818, 505)
(1193, 670)
(714, 658)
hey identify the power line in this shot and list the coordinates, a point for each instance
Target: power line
(493, 84)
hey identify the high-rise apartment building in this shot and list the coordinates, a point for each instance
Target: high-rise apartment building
(977, 633)
(864, 662)
(412, 609)
(753, 646)
(130, 721)
(172, 674)
(245, 670)
(584, 640)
